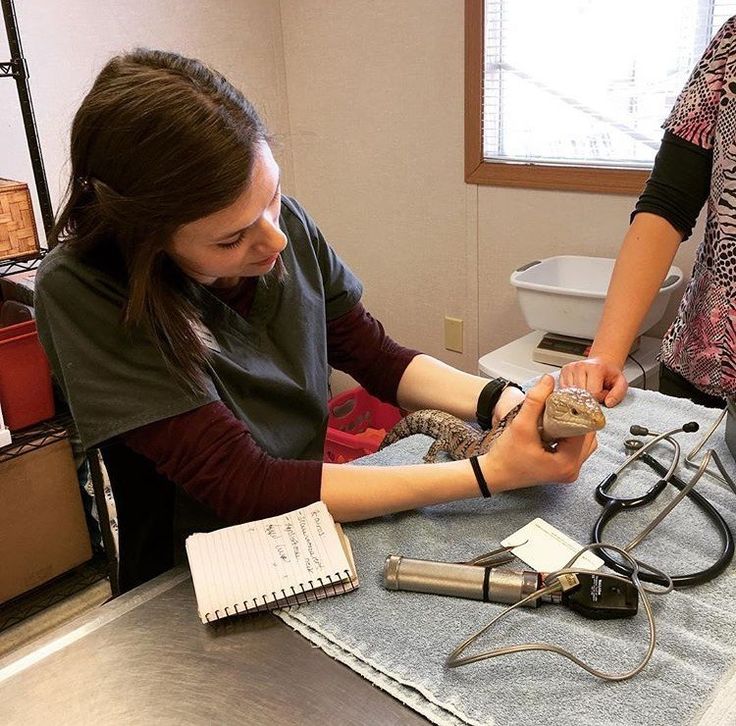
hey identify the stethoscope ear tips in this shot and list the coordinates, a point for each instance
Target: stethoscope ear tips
(636, 430)
(633, 444)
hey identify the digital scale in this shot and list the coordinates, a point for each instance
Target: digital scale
(562, 300)
(515, 361)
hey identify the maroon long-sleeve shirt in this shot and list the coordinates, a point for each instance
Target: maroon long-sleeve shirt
(212, 455)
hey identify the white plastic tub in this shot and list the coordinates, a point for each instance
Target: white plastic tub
(565, 294)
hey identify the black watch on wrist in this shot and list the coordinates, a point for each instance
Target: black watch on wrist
(489, 398)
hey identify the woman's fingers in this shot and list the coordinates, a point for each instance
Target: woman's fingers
(520, 458)
(567, 375)
(581, 375)
(533, 406)
(617, 392)
(578, 447)
(603, 380)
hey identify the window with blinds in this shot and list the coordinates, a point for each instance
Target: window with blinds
(584, 83)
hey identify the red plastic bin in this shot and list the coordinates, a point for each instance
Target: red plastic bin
(357, 424)
(26, 396)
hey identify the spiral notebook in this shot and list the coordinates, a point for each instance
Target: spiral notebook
(291, 559)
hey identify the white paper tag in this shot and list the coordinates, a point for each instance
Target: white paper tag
(546, 549)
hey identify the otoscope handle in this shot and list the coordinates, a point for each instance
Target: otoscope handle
(490, 584)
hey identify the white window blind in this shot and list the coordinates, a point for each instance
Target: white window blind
(588, 82)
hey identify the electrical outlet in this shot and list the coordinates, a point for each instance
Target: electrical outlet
(454, 334)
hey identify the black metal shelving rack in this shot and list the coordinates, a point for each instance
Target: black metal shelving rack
(56, 428)
(17, 68)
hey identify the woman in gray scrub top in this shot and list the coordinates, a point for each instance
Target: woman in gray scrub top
(208, 412)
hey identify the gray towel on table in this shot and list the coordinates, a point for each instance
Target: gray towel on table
(399, 640)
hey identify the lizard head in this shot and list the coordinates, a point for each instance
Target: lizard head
(571, 412)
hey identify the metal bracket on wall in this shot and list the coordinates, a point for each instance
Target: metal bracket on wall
(16, 68)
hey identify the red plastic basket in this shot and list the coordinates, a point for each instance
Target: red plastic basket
(26, 396)
(357, 424)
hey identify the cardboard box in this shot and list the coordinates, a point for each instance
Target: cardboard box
(43, 532)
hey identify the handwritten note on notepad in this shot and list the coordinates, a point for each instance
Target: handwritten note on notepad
(290, 559)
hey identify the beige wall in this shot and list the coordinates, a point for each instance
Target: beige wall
(516, 226)
(366, 98)
(66, 43)
(375, 92)
(375, 101)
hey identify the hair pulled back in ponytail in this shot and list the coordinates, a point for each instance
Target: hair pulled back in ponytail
(159, 141)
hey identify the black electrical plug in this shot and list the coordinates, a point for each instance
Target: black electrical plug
(601, 597)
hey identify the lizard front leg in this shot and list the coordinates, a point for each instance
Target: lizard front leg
(439, 445)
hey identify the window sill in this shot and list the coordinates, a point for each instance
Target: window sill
(562, 178)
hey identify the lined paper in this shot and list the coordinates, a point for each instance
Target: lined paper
(285, 560)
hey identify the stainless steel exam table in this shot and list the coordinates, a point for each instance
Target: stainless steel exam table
(145, 658)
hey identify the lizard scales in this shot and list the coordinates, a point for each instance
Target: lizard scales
(568, 412)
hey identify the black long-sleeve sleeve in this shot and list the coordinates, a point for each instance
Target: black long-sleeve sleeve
(358, 345)
(679, 183)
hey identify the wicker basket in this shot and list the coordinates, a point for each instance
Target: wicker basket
(18, 235)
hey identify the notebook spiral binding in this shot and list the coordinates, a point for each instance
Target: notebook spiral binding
(335, 585)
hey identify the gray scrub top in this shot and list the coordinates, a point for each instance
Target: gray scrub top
(270, 369)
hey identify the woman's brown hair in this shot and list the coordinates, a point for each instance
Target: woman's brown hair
(159, 141)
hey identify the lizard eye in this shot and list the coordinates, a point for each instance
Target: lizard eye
(575, 412)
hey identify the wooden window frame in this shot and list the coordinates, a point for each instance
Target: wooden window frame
(607, 180)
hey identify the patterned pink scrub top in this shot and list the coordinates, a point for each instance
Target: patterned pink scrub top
(701, 342)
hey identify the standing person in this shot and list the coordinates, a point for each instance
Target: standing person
(191, 313)
(696, 162)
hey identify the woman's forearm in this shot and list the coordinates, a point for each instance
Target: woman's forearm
(353, 493)
(430, 383)
(645, 257)
(518, 458)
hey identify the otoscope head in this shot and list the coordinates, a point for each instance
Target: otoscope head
(690, 427)
(640, 430)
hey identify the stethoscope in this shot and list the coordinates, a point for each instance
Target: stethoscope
(613, 505)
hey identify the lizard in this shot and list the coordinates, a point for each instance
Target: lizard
(568, 412)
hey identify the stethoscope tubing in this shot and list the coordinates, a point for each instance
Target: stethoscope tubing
(601, 491)
(690, 458)
(613, 506)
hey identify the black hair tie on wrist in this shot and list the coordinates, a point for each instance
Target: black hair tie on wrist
(482, 483)
(489, 398)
